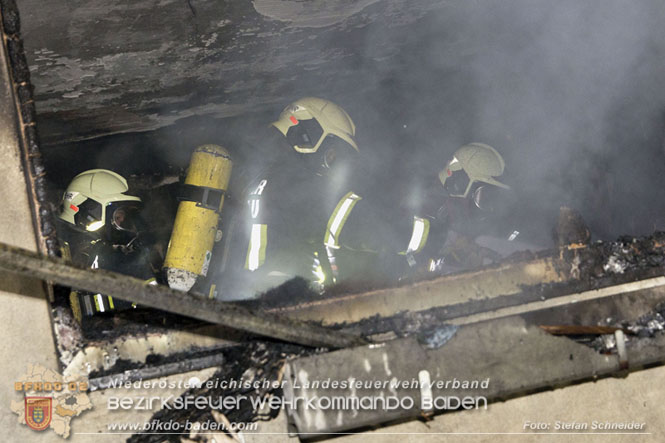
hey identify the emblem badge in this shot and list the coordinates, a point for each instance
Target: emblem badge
(38, 412)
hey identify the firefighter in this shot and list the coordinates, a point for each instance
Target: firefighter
(100, 226)
(474, 204)
(296, 208)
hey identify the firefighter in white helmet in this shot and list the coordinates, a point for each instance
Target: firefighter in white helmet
(320, 131)
(472, 168)
(92, 199)
(475, 201)
(297, 207)
(100, 226)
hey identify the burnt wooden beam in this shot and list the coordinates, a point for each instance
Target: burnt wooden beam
(20, 261)
(514, 286)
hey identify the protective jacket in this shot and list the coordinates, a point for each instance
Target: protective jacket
(132, 259)
(295, 221)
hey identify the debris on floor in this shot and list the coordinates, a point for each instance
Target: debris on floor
(252, 372)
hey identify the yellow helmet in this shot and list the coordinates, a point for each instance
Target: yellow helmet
(475, 162)
(308, 121)
(88, 196)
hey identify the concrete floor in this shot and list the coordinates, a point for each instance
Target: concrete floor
(26, 338)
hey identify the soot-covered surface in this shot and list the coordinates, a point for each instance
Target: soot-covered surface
(254, 362)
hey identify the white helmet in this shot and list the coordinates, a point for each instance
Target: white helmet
(475, 162)
(88, 197)
(308, 121)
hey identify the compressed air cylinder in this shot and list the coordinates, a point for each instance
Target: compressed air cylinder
(201, 200)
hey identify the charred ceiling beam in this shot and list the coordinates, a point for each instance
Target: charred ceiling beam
(23, 262)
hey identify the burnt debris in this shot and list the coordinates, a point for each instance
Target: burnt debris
(258, 365)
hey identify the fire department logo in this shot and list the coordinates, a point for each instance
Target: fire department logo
(49, 400)
(38, 412)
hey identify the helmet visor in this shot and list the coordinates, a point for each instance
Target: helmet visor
(88, 215)
(457, 183)
(305, 135)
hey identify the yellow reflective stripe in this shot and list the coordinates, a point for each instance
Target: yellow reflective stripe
(111, 303)
(418, 236)
(99, 302)
(256, 252)
(338, 218)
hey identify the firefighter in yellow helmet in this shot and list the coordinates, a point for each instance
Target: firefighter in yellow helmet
(92, 200)
(296, 208)
(307, 123)
(472, 167)
(475, 203)
(320, 131)
(100, 226)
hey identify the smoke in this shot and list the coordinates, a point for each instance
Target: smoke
(570, 92)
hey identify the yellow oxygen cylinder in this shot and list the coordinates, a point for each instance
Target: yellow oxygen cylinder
(201, 200)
